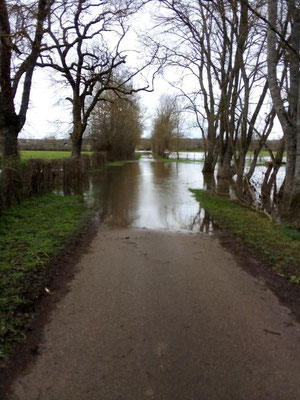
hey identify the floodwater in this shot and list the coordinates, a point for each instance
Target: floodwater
(258, 175)
(149, 194)
(155, 195)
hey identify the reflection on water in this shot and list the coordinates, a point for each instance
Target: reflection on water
(199, 156)
(149, 194)
(154, 195)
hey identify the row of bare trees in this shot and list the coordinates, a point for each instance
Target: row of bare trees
(243, 59)
(242, 56)
(81, 42)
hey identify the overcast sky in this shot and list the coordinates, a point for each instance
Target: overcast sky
(49, 114)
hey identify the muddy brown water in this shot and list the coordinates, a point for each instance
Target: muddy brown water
(155, 195)
(148, 194)
(164, 312)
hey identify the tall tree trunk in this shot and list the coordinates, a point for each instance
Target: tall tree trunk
(9, 130)
(240, 165)
(289, 119)
(209, 182)
(295, 81)
(76, 138)
(297, 164)
(225, 169)
(9, 141)
(209, 161)
(19, 78)
(78, 126)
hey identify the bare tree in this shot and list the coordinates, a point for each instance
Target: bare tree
(191, 52)
(84, 45)
(165, 125)
(21, 33)
(220, 45)
(283, 49)
(116, 126)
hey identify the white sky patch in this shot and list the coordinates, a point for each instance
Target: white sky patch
(49, 113)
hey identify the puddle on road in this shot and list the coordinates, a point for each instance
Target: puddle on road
(149, 194)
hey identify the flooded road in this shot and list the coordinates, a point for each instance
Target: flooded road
(149, 194)
(155, 195)
(158, 310)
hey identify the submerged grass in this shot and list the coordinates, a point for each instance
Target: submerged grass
(275, 244)
(31, 235)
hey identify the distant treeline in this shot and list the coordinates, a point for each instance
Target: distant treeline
(198, 144)
(51, 144)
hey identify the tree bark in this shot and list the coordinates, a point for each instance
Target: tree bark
(11, 122)
(9, 141)
(226, 170)
(76, 138)
(9, 130)
(289, 119)
(295, 82)
(209, 161)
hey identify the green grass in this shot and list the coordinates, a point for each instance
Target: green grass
(31, 235)
(275, 244)
(263, 153)
(47, 155)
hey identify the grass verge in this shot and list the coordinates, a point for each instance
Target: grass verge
(275, 244)
(31, 235)
(47, 155)
(137, 156)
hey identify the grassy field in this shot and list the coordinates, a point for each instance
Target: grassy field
(264, 153)
(31, 235)
(47, 155)
(277, 245)
(52, 155)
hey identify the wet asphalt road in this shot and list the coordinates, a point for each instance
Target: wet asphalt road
(166, 316)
